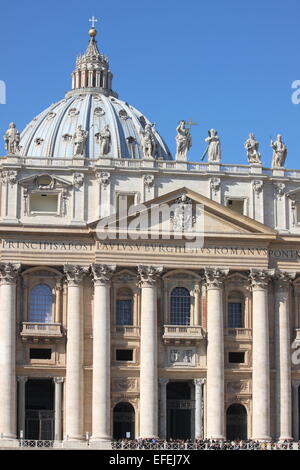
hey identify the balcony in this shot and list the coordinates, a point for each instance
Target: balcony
(126, 331)
(182, 333)
(239, 334)
(41, 331)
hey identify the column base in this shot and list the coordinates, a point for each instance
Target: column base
(100, 444)
(261, 439)
(9, 443)
(74, 444)
(281, 439)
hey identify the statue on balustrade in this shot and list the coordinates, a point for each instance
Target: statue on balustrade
(251, 145)
(12, 139)
(279, 152)
(80, 138)
(183, 141)
(214, 147)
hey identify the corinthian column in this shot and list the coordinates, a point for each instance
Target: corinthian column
(283, 356)
(8, 279)
(260, 354)
(148, 356)
(215, 353)
(74, 362)
(101, 352)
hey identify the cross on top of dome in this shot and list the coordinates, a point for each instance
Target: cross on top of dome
(92, 68)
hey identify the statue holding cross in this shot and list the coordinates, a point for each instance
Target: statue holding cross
(183, 139)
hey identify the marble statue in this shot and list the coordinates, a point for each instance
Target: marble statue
(105, 139)
(214, 147)
(80, 138)
(279, 152)
(183, 141)
(12, 139)
(148, 141)
(251, 145)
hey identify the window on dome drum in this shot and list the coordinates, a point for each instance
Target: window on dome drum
(237, 205)
(236, 310)
(40, 304)
(236, 357)
(124, 355)
(44, 202)
(180, 306)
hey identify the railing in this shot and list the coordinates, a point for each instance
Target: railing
(126, 331)
(202, 445)
(240, 333)
(159, 164)
(41, 329)
(183, 331)
(35, 443)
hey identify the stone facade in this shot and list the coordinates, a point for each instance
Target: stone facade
(50, 209)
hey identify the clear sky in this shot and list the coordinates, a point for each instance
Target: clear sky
(227, 64)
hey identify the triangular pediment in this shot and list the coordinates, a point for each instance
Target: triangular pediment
(217, 220)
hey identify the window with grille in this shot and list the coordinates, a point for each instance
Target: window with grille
(124, 312)
(40, 307)
(236, 310)
(180, 306)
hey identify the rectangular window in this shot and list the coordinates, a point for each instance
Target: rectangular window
(298, 213)
(124, 354)
(40, 353)
(44, 202)
(124, 202)
(124, 312)
(236, 205)
(236, 357)
(235, 315)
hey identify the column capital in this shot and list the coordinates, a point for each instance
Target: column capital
(102, 273)
(199, 382)
(75, 273)
(58, 380)
(163, 381)
(148, 275)
(283, 279)
(22, 378)
(214, 277)
(260, 278)
(9, 272)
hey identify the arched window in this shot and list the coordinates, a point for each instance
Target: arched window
(124, 307)
(235, 310)
(40, 306)
(236, 422)
(180, 306)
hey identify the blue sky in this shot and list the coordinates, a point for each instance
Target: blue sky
(227, 64)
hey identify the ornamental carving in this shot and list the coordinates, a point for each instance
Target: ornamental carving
(102, 273)
(78, 179)
(50, 116)
(39, 141)
(67, 137)
(283, 279)
(183, 357)
(148, 181)
(75, 273)
(103, 178)
(148, 275)
(259, 278)
(238, 387)
(214, 277)
(73, 112)
(279, 189)
(9, 176)
(182, 218)
(257, 186)
(215, 185)
(99, 112)
(123, 115)
(9, 273)
(126, 384)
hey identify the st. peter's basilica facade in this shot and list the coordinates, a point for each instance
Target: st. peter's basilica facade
(109, 334)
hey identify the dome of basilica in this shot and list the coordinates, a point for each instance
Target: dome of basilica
(91, 122)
